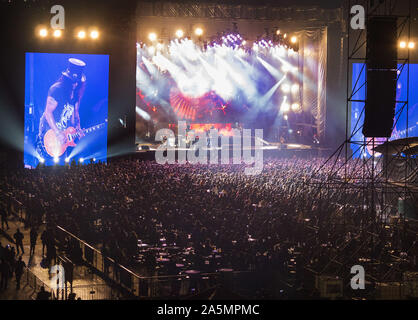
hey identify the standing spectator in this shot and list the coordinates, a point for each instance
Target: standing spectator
(3, 214)
(44, 239)
(5, 274)
(19, 240)
(33, 238)
(43, 295)
(20, 267)
(51, 252)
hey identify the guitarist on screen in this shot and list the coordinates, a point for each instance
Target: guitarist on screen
(62, 106)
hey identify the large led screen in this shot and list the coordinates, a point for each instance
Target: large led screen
(66, 107)
(219, 86)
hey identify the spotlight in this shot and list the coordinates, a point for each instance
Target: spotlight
(402, 44)
(411, 45)
(43, 33)
(152, 36)
(285, 107)
(57, 33)
(285, 88)
(278, 32)
(285, 35)
(295, 88)
(81, 160)
(198, 31)
(295, 106)
(286, 117)
(179, 33)
(67, 160)
(81, 34)
(293, 39)
(94, 159)
(42, 160)
(56, 159)
(94, 34)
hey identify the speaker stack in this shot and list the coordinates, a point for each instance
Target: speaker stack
(381, 65)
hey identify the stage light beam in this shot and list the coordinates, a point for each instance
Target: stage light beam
(285, 107)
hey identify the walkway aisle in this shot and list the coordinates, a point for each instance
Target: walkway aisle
(83, 283)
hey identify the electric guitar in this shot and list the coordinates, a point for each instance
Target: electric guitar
(53, 146)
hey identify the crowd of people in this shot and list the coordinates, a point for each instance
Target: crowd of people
(280, 221)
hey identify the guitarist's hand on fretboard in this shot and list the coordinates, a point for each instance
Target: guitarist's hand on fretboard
(80, 132)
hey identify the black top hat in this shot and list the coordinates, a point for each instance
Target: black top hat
(75, 70)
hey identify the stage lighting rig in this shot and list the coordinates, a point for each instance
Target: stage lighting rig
(285, 107)
(295, 107)
(94, 34)
(43, 33)
(81, 34)
(285, 88)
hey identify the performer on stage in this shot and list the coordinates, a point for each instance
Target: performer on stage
(63, 105)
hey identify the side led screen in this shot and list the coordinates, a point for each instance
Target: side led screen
(66, 107)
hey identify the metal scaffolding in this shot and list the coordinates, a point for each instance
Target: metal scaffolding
(367, 182)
